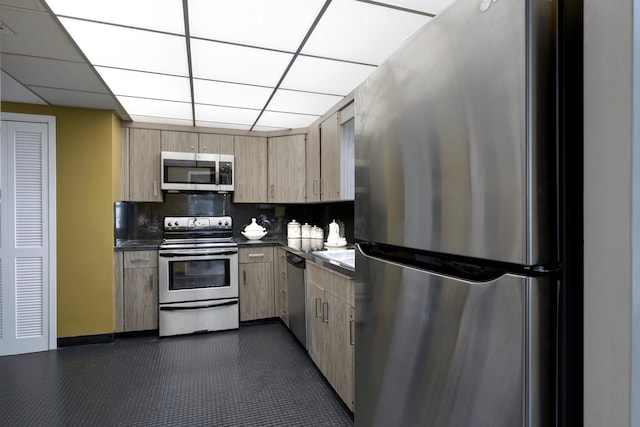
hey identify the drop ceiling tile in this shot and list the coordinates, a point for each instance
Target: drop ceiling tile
(113, 46)
(231, 94)
(213, 113)
(146, 85)
(32, 71)
(155, 108)
(302, 102)
(162, 120)
(285, 120)
(165, 15)
(237, 64)
(74, 98)
(24, 4)
(280, 24)
(204, 123)
(36, 34)
(431, 6)
(361, 32)
(325, 76)
(12, 91)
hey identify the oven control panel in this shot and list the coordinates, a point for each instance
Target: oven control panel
(198, 223)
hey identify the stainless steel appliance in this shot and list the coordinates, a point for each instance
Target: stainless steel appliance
(198, 276)
(456, 222)
(296, 294)
(196, 171)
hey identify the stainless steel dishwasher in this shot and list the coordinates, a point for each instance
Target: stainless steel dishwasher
(295, 289)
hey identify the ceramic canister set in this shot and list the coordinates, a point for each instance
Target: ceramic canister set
(306, 237)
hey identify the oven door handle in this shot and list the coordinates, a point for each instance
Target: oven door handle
(197, 253)
(197, 307)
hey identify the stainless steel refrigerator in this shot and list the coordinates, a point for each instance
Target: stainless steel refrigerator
(456, 220)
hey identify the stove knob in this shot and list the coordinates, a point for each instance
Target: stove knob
(219, 222)
(175, 223)
(226, 223)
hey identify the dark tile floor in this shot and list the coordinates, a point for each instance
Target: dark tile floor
(256, 376)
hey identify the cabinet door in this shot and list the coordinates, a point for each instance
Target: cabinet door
(215, 144)
(286, 169)
(312, 164)
(184, 142)
(341, 347)
(144, 165)
(316, 329)
(330, 158)
(282, 296)
(118, 291)
(257, 300)
(251, 169)
(140, 299)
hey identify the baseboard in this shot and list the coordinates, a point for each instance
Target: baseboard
(86, 339)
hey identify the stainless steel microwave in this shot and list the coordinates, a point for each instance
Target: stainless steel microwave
(196, 171)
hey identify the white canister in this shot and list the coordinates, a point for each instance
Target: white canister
(317, 233)
(293, 230)
(305, 244)
(295, 243)
(306, 231)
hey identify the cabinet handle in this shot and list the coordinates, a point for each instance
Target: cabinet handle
(272, 190)
(244, 277)
(255, 255)
(204, 148)
(140, 260)
(283, 292)
(318, 304)
(320, 186)
(193, 148)
(352, 332)
(151, 282)
(315, 187)
(325, 313)
(155, 188)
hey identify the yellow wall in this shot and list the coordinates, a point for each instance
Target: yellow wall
(88, 182)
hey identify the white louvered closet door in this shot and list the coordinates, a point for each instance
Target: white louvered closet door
(24, 238)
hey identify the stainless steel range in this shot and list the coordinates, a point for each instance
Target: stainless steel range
(198, 276)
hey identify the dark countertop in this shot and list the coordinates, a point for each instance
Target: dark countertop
(306, 253)
(136, 245)
(152, 245)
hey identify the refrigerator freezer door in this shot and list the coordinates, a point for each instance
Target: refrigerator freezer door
(455, 141)
(436, 351)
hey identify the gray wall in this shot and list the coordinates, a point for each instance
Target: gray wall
(608, 167)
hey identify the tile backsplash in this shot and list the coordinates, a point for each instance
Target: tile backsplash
(141, 221)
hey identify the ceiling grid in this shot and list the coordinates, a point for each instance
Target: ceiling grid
(238, 64)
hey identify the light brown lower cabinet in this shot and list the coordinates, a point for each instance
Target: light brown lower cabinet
(136, 290)
(282, 293)
(256, 288)
(330, 332)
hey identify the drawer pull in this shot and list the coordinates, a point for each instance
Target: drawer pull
(255, 255)
(318, 308)
(325, 312)
(352, 332)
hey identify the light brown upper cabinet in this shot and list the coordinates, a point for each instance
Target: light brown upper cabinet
(183, 142)
(191, 142)
(251, 169)
(286, 169)
(141, 166)
(215, 144)
(330, 158)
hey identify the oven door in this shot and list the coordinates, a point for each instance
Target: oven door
(197, 274)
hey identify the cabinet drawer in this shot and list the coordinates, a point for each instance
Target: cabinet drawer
(140, 259)
(260, 254)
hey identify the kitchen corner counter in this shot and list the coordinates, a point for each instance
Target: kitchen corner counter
(306, 254)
